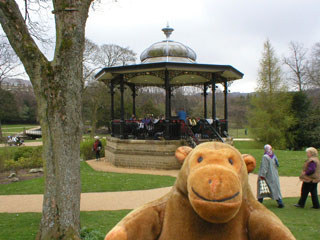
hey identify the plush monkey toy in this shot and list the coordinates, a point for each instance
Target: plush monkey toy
(211, 199)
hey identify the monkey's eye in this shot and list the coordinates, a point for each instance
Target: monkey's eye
(230, 161)
(200, 159)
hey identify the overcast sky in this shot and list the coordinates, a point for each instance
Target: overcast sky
(230, 32)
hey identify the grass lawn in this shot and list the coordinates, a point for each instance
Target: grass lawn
(304, 223)
(239, 133)
(291, 162)
(11, 129)
(26, 225)
(93, 181)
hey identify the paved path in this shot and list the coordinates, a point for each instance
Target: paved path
(243, 139)
(290, 187)
(28, 144)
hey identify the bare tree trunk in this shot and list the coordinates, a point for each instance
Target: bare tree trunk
(0, 131)
(58, 87)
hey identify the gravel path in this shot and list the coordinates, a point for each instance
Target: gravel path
(28, 144)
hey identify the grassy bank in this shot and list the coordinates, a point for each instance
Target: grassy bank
(93, 181)
(291, 162)
(26, 225)
(12, 129)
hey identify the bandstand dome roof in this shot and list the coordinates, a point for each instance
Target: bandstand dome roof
(168, 51)
(169, 57)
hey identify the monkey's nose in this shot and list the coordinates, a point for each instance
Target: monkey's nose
(213, 182)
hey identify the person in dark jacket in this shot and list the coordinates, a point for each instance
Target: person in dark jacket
(97, 146)
(310, 176)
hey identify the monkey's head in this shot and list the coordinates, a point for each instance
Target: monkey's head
(214, 177)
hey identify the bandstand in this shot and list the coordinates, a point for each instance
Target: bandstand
(167, 64)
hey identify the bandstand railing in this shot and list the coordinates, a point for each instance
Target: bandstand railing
(173, 130)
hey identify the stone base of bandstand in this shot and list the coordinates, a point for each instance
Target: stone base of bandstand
(145, 154)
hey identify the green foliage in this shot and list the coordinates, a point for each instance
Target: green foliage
(8, 106)
(270, 118)
(22, 157)
(269, 71)
(300, 108)
(91, 234)
(149, 108)
(22, 152)
(86, 147)
(17, 106)
(5, 154)
(311, 125)
(29, 157)
(93, 181)
(23, 163)
(306, 130)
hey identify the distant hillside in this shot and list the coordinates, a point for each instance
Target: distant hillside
(16, 81)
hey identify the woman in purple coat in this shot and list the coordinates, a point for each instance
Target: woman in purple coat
(310, 176)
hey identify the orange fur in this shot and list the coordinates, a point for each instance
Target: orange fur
(211, 199)
(250, 162)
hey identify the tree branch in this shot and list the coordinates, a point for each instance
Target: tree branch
(23, 44)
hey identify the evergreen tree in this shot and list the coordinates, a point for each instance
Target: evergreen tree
(270, 115)
(7, 107)
(306, 131)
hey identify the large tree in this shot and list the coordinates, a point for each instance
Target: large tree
(95, 57)
(296, 61)
(58, 88)
(313, 69)
(9, 61)
(270, 115)
(115, 55)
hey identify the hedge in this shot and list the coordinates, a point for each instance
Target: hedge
(14, 158)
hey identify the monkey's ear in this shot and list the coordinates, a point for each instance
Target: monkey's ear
(182, 152)
(250, 162)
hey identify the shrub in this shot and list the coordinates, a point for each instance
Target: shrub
(90, 234)
(14, 158)
(23, 163)
(86, 151)
(22, 152)
(22, 157)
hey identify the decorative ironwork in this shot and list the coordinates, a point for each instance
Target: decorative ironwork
(176, 73)
(159, 74)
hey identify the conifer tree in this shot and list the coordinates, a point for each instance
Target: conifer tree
(270, 115)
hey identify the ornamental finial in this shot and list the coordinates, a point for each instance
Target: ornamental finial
(167, 31)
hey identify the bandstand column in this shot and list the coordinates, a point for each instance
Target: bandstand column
(205, 88)
(213, 101)
(112, 107)
(226, 103)
(168, 105)
(134, 100)
(122, 107)
(112, 100)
